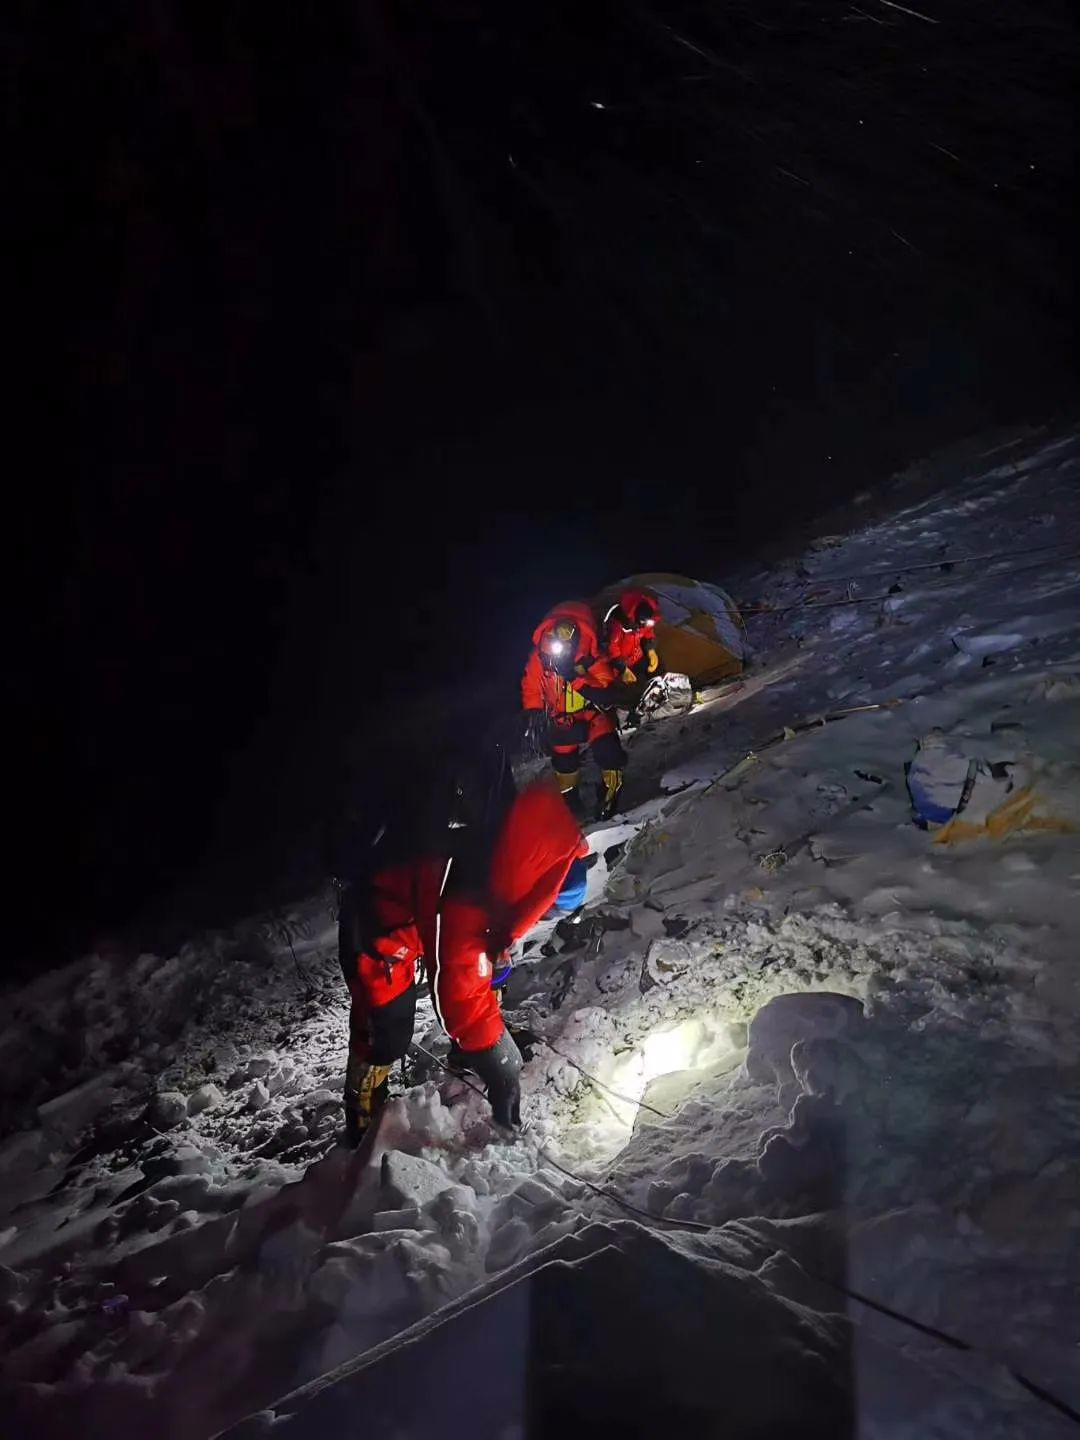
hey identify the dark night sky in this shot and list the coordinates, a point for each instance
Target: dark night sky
(364, 332)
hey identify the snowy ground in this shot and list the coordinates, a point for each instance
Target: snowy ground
(840, 1055)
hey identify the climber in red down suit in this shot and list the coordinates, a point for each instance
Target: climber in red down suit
(565, 680)
(629, 634)
(454, 914)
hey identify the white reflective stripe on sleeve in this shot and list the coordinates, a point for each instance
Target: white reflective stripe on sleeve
(438, 950)
(611, 612)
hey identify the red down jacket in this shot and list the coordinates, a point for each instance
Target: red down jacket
(536, 846)
(539, 841)
(627, 641)
(543, 688)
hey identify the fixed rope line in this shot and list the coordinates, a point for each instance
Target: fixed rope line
(789, 732)
(592, 1185)
(626, 1100)
(450, 1071)
(617, 1199)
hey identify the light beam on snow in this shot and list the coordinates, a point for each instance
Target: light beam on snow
(670, 1050)
(693, 1046)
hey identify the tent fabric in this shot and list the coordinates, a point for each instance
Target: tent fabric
(700, 631)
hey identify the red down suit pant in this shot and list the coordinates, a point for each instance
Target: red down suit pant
(380, 947)
(596, 728)
(538, 841)
(447, 934)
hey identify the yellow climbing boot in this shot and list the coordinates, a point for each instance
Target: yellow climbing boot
(365, 1095)
(612, 785)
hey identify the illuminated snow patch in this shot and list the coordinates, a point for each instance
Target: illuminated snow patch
(610, 1110)
(670, 1050)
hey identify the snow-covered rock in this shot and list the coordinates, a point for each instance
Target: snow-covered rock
(66, 1116)
(793, 1019)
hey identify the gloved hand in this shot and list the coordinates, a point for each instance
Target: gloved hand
(499, 1067)
(654, 661)
(628, 677)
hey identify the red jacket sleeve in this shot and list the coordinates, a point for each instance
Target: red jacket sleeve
(537, 844)
(532, 693)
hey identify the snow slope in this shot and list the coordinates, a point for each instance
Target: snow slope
(827, 1057)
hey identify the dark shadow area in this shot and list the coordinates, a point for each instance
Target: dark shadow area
(619, 1330)
(363, 336)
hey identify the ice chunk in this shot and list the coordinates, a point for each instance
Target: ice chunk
(508, 1243)
(281, 1077)
(409, 1180)
(406, 1219)
(168, 1108)
(257, 1068)
(321, 1100)
(986, 644)
(206, 1097)
(459, 1228)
